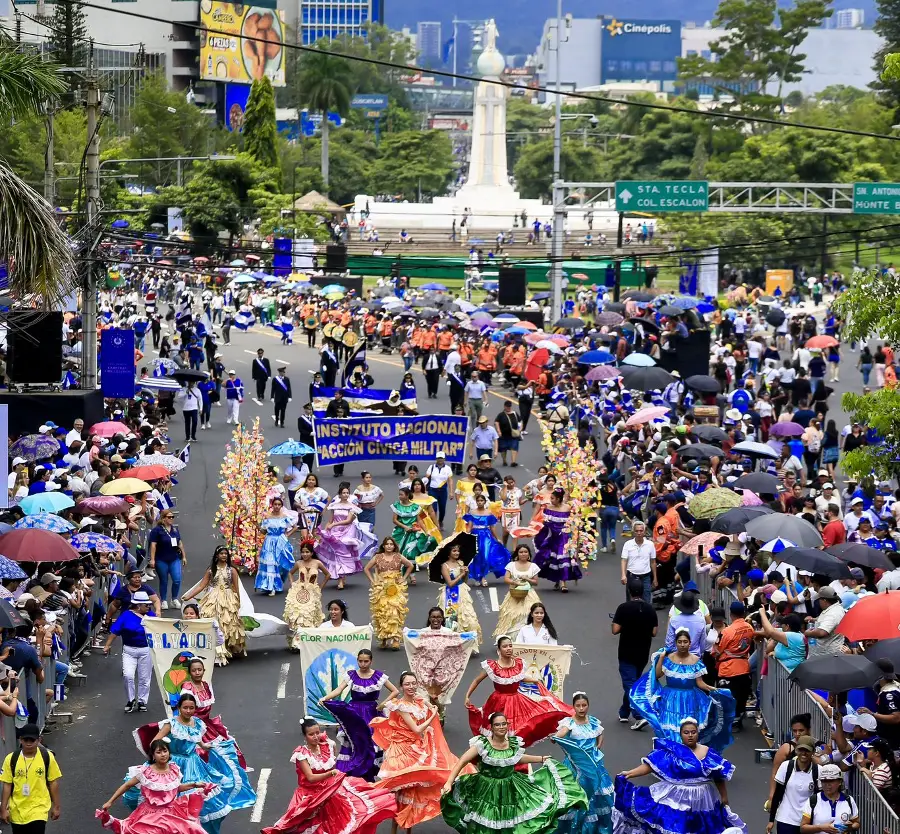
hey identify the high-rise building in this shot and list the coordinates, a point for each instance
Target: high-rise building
(332, 18)
(849, 18)
(428, 41)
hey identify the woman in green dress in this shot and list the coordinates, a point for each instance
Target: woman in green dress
(409, 534)
(497, 796)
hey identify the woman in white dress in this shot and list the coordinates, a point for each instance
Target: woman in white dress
(521, 577)
(538, 629)
(310, 501)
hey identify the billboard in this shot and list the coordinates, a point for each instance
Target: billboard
(226, 54)
(639, 50)
(236, 96)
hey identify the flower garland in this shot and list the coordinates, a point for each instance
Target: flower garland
(574, 469)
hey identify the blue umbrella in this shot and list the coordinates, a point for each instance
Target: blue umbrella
(540, 296)
(684, 301)
(516, 331)
(639, 360)
(45, 521)
(34, 447)
(46, 502)
(10, 570)
(243, 279)
(292, 447)
(237, 262)
(436, 287)
(596, 357)
(705, 307)
(333, 288)
(120, 224)
(85, 542)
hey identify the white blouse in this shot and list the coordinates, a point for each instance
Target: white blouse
(530, 637)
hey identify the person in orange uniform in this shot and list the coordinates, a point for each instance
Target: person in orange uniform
(369, 325)
(732, 652)
(387, 333)
(415, 339)
(466, 358)
(429, 340)
(486, 361)
(444, 343)
(516, 364)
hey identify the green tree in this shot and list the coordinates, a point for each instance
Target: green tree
(700, 159)
(759, 52)
(413, 162)
(535, 166)
(887, 25)
(31, 241)
(325, 86)
(260, 130)
(69, 41)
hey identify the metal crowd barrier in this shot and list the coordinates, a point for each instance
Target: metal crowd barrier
(875, 815)
(8, 742)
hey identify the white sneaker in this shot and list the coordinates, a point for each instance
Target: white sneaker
(176, 603)
(164, 606)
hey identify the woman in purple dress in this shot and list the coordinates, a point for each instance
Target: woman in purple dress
(358, 751)
(551, 544)
(343, 543)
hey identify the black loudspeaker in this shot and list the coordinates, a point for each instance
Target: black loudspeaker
(335, 257)
(512, 285)
(536, 317)
(34, 343)
(691, 355)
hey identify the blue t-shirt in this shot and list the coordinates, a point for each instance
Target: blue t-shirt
(167, 543)
(128, 627)
(794, 653)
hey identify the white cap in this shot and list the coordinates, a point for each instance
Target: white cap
(17, 461)
(856, 501)
(860, 719)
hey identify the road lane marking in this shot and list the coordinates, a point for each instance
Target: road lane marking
(283, 361)
(492, 593)
(282, 680)
(262, 788)
(483, 600)
(251, 352)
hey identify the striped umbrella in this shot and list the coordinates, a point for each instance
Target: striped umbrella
(714, 502)
(44, 521)
(85, 542)
(777, 545)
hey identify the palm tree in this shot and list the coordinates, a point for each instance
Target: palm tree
(325, 80)
(32, 244)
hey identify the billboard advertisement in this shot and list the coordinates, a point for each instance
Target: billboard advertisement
(241, 43)
(639, 50)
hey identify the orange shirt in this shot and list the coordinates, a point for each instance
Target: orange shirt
(370, 324)
(486, 360)
(508, 352)
(888, 354)
(466, 353)
(416, 337)
(445, 339)
(429, 340)
(733, 649)
(325, 317)
(517, 363)
(387, 327)
(346, 318)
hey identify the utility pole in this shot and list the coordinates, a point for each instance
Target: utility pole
(92, 182)
(49, 166)
(617, 289)
(558, 238)
(824, 251)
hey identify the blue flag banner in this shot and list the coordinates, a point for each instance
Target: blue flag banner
(117, 363)
(390, 438)
(365, 401)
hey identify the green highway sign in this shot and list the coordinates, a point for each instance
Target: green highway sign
(876, 198)
(657, 196)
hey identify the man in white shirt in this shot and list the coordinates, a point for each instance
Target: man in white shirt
(191, 401)
(453, 361)
(18, 465)
(439, 478)
(824, 640)
(828, 496)
(476, 396)
(75, 434)
(639, 561)
(294, 477)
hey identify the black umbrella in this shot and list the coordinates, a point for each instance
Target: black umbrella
(570, 324)
(645, 379)
(885, 650)
(613, 306)
(429, 313)
(861, 554)
(639, 296)
(648, 323)
(776, 317)
(670, 310)
(9, 616)
(758, 482)
(710, 434)
(836, 673)
(815, 561)
(702, 382)
(734, 521)
(489, 306)
(419, 302)
(189, 375)
(468, 544)
(699, 450)
(790, 527)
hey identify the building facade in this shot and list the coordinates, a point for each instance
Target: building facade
(329, 19)
(428, 41)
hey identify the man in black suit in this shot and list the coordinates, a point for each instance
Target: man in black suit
(338, 408)
(329, 364)
(281, 395)
(262, 371)
(305, 428)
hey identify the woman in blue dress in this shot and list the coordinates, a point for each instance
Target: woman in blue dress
(685, 694)
(552, 542)
(691, 796)
(185, 734)
(276, 559)
(490, 556)
(581, 738)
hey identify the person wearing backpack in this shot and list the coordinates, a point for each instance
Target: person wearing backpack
(30, 778)
(796, 783)
(830, 810)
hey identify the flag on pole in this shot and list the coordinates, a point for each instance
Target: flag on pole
(445, 51)
(185, 454)
(165, 502)
(356, 360)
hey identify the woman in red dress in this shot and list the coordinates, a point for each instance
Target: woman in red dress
(532, 710)
(417, 760)
(327, 801)
(163, 809)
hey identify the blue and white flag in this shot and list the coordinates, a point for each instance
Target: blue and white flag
(356, 360)
(165, 502)
(69, 381)
(185, 455)
(364, 401)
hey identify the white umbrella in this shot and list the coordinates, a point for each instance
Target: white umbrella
(548, 345)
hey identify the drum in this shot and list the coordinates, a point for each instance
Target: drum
(338, 333)
(328, 330)
(311, 322)
(351, 338)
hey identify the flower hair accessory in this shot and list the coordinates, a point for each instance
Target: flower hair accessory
(579, 692)
(689, 719)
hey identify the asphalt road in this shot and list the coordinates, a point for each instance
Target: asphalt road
(260, 698)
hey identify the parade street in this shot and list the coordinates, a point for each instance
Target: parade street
(260, 698)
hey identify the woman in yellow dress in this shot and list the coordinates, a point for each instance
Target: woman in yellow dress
(464, 487)
(388, 571)
(522, 578)
(455, 598)
(222, 602)
(303, 604)
(427, 518)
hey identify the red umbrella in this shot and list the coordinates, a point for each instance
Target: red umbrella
(534, 338)
(153, 472)
(536, 363)
(819, 342)
(33, 545)
(874, 617)
(526, 325)
(102, 505)
(108, 429)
